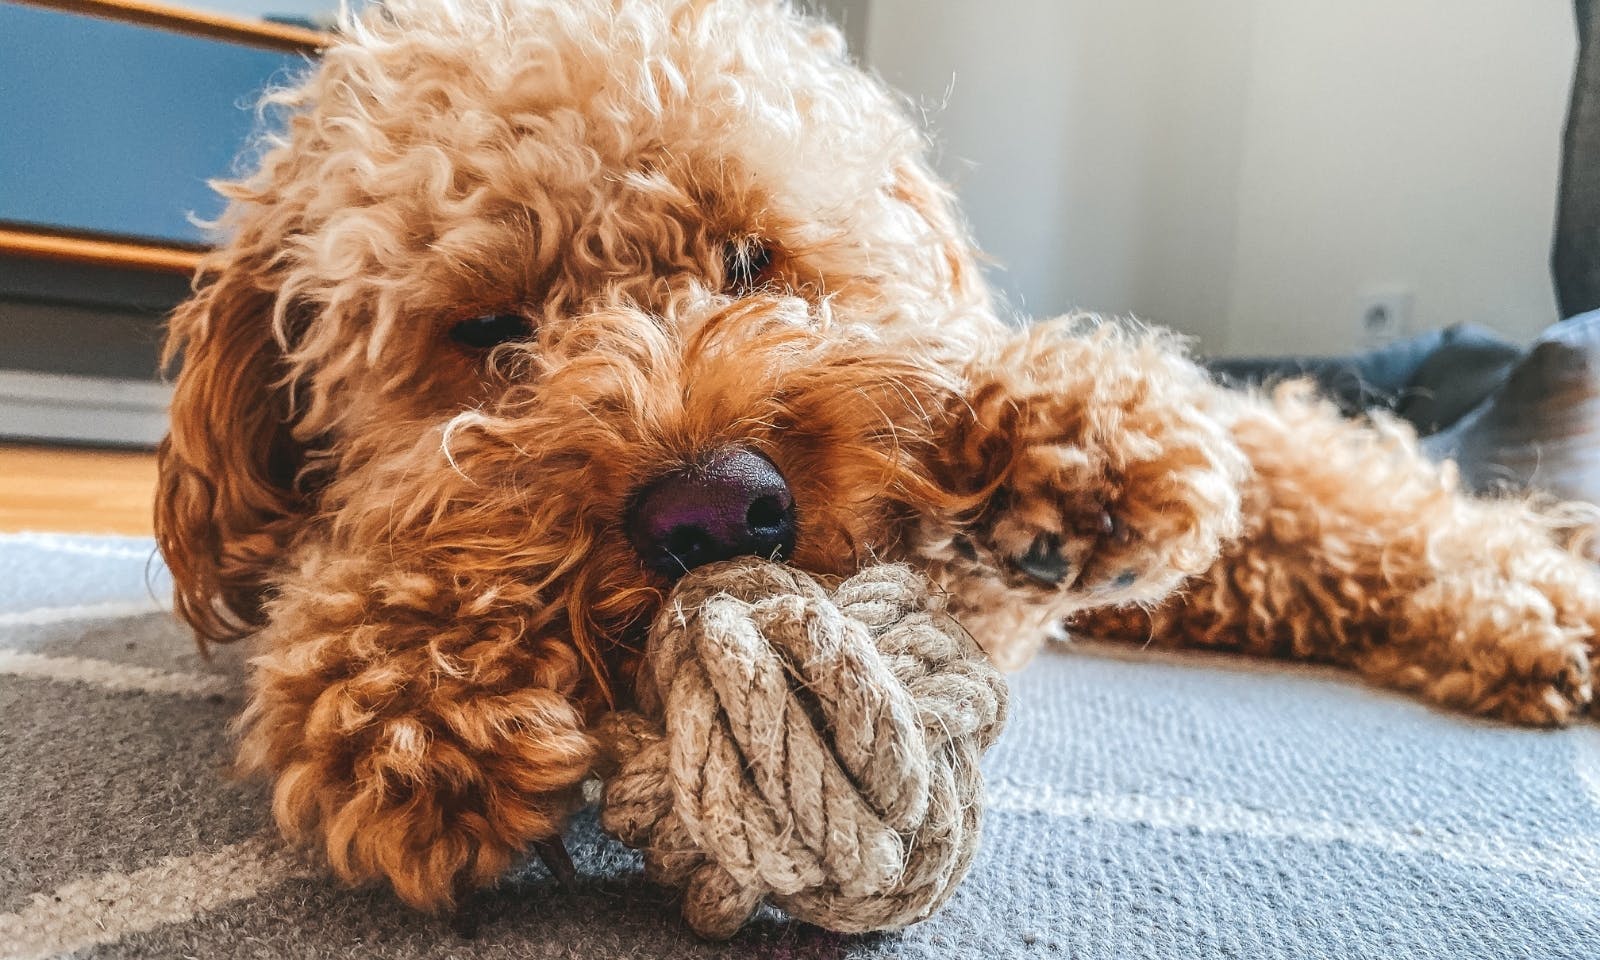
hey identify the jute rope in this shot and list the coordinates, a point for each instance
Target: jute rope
(818, 750)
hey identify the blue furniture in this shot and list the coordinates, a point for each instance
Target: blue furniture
(111, 132)
(114, 128)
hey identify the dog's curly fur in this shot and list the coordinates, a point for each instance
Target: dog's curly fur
(425, 541)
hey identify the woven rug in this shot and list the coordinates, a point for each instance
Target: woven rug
(1139, 807)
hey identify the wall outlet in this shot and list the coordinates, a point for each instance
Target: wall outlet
(1384, 315)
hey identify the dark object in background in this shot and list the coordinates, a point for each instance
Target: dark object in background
(1462, 369)
(1430, 380)
(1512, 419)
(1575, 254)
(1540, 429)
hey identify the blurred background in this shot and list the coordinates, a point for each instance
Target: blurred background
(1254, 172)
(1268, 176)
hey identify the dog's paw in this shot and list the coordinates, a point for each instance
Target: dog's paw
(1504, 660)
(1059, 523)
(1097, 468)
(1546, 687)
(1107, 506)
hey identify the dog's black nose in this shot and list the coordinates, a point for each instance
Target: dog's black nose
(735, 504)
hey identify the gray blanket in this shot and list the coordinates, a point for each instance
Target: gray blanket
(1138, 807)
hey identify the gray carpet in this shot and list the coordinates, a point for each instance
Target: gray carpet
(1165, 808)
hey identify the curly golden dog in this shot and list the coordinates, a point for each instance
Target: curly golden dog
(531, 305)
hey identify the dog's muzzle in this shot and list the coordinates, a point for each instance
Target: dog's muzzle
(734, 504)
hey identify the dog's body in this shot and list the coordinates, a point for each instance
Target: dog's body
(521, 278)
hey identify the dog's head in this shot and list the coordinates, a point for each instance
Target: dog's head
(544, 299)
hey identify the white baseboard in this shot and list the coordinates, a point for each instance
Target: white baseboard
(50, 406)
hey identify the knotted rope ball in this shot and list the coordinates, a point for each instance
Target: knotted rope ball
(818, 750)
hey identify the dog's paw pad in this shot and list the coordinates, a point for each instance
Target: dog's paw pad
(1077, 548)
(1044, 560)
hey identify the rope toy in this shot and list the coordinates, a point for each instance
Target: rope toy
(818, 750)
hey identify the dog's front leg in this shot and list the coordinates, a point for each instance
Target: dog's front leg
(1099, 475)
(1356, 550)
(415, 729)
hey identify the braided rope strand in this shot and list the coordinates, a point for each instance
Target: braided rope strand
(817, 750)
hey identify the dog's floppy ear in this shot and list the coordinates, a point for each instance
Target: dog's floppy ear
(226, 502)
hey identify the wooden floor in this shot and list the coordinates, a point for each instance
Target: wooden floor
(75, 491)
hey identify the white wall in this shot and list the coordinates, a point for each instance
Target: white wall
(1409, 143)
(1051, 117)
(1244, 170)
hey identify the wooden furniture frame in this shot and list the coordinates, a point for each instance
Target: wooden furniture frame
(200, 23)
(39, 244)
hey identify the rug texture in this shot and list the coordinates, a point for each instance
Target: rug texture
(1138, 808)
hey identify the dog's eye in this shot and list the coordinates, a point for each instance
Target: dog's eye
(481, 333)
(746, 264)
